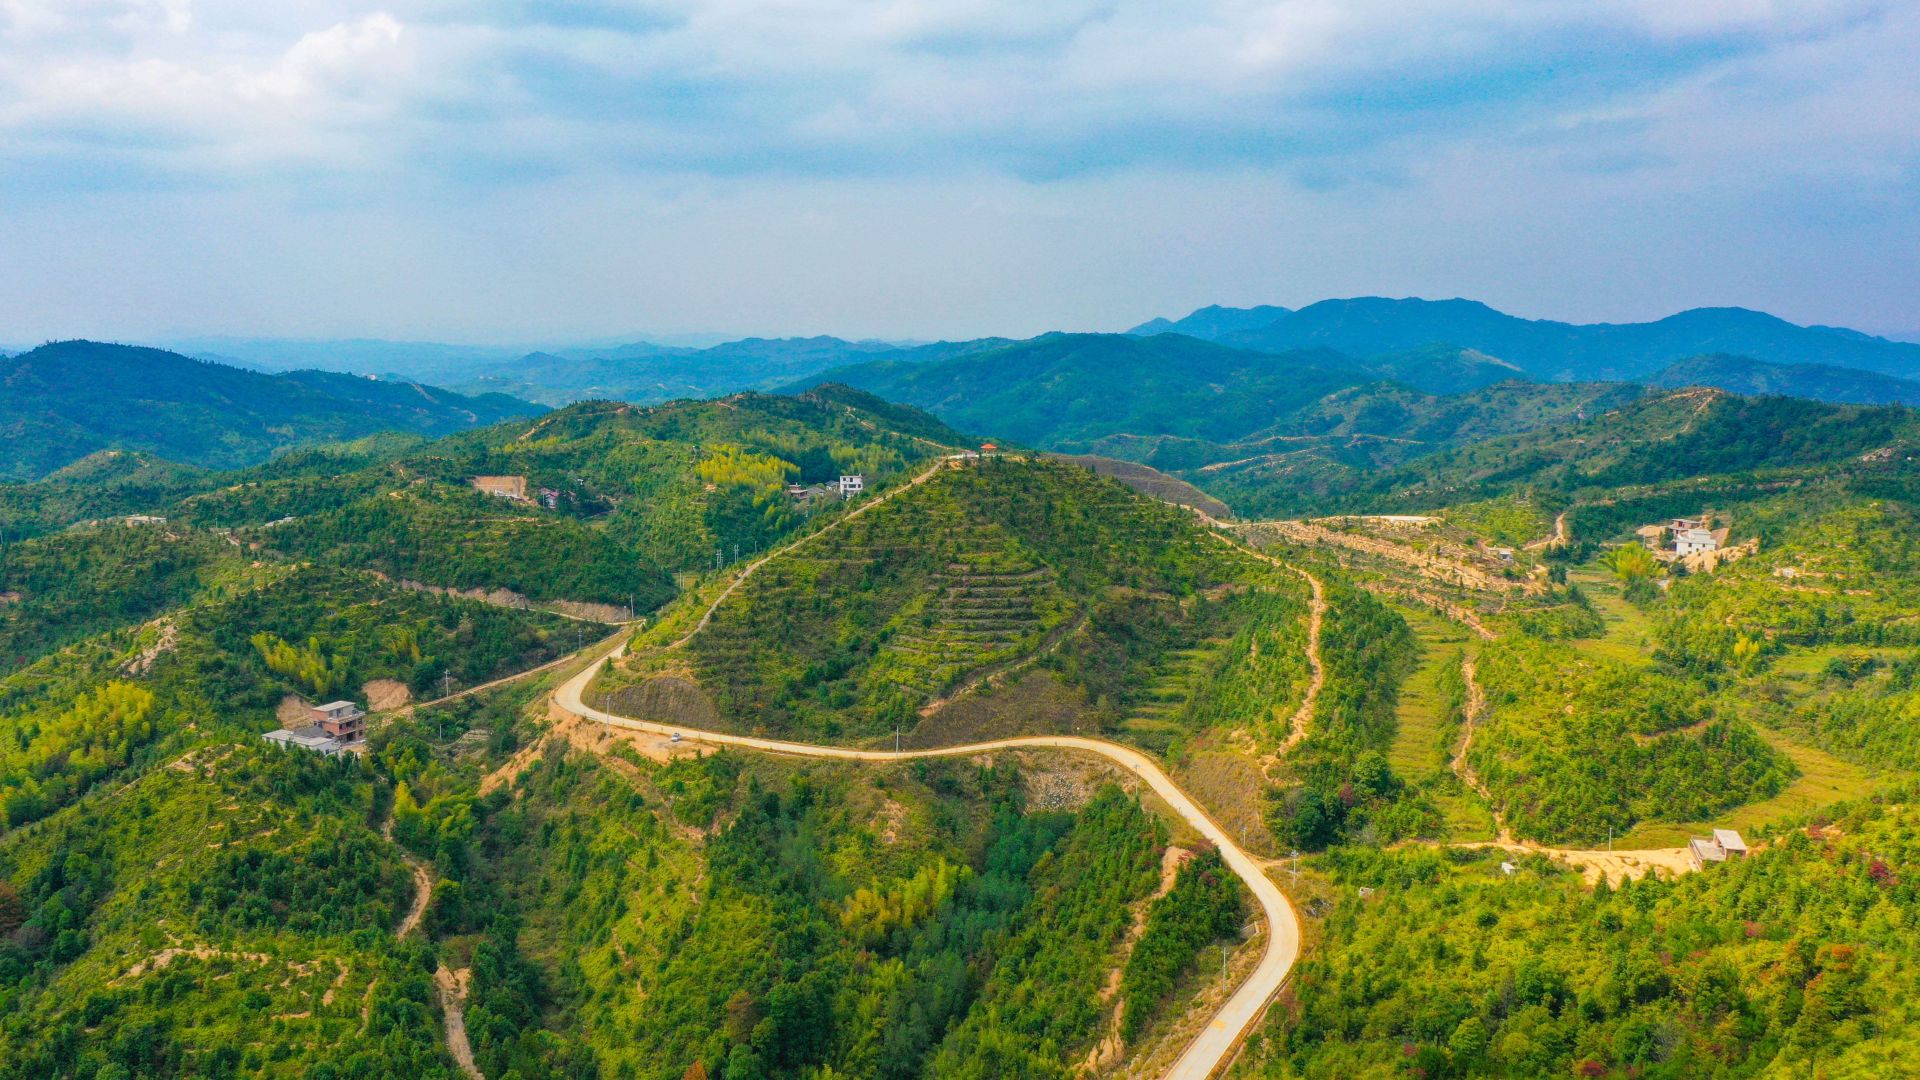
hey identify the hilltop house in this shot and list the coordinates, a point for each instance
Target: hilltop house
(1690, 536)
(332, 729)
(1693, 541)
(805, 496)
(1724, 844)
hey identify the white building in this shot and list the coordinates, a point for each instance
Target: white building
(852, 485)
(333, 728)
(1694, 540)
(1725, 844)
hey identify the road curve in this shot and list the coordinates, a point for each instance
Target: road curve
(1216, 1044)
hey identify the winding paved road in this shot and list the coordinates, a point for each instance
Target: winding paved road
(1222, 1036)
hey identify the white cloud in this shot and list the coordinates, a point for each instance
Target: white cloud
(793, 83)
(1316, 120)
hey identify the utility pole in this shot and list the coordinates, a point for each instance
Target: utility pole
(896, 738)
(1223, 964)
(1296, 865)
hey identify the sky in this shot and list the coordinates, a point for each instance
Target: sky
(515, 171)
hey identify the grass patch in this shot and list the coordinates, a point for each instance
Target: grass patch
(1824, 780)
(1629, 632)
(1425, 731)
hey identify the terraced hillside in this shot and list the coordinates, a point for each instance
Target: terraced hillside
(990, 569)
(229, 913)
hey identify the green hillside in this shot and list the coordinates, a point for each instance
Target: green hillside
(1063, 391)
(229, 915)
(110, 702)
(1791, 962)
(981, 566)
(834, 921)
(1821, 382)
(1371, 326)
(1479, 649)
(68, 399)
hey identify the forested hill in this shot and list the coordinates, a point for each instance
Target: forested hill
(65, 400)
(1820, 382)
(1371, 325)
(1067, 390)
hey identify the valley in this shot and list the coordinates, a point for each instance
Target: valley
(687, 758)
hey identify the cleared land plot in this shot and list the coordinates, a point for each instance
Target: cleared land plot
(1629, 631)
(1422, 742)
(1155, 720)
(1150, 482)
(1800, 663)
(1824, 780)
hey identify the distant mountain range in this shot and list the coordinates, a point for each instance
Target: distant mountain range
(1821, 382)
(65, 400)
(1112, 393)
(1407, 340)
(1370, 326)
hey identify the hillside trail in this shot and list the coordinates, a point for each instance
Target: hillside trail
(1557, 539)
(494, 684)
(450, 985)
(1476, 704)
(1223, 1034)
(1301, 723)
(1613, 865)
(422, 881)
(998, 673)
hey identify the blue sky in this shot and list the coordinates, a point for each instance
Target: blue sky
(538, 172)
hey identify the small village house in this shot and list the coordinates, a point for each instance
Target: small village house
(1724, 844)
(1693, 541)
(331, 729)
(852, 484)
(1689, 536)
(806, 496)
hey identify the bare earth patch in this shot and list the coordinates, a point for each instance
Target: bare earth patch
(292, 712)
(384, 694)
(565, 728)
(453, 986)
(1036, 703)
(163, 644)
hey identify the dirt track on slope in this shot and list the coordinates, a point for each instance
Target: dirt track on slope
(1222, 1036)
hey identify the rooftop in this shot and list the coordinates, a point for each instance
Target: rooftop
(310, 737)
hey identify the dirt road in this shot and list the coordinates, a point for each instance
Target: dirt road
(1223, 1034)
(452, 986)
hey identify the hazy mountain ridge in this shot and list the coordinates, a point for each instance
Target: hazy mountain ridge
(1408, 340)
(1370, 326)
(1821, 382)
(66, 400)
